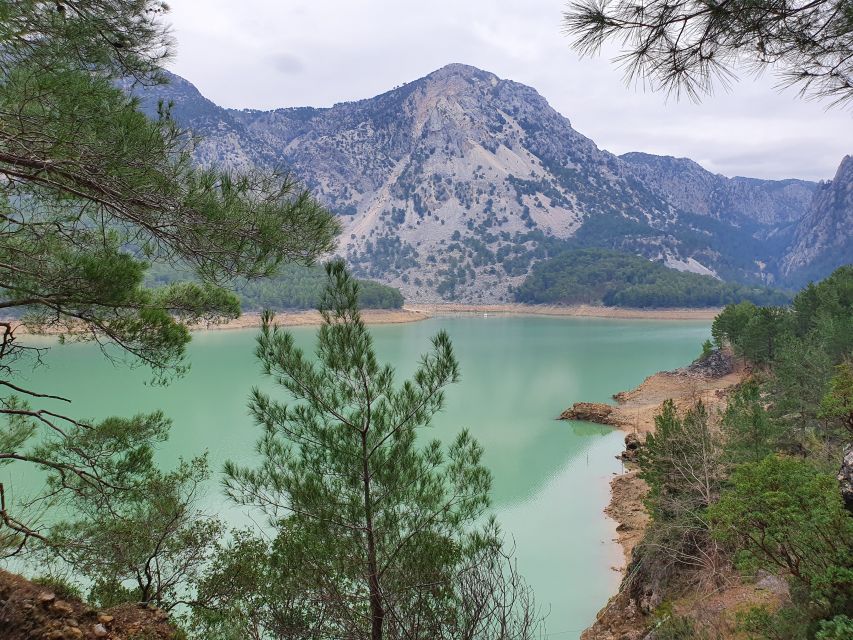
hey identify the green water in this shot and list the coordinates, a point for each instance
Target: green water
(518, 373)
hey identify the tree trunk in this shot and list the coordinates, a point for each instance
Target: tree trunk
(377, 611)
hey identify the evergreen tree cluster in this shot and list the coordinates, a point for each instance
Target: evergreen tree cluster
(755, 487)
(293, 287)
(612, 278)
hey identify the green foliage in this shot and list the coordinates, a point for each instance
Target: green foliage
(837, 403)
(612, 278)
(92, 192)
(302, 287)
(787, 515)
(742, 498)
(681, 462)
(675, 627)
(377, 529)
(759, 342)
(750, 434)
(800, 348)
(730, 323)
(294, 287)
(101, 458)
(799, 379)
(823, 312)
(785, 623)
(707, 350)
(250, 587)
(146, 543)
(838, 628)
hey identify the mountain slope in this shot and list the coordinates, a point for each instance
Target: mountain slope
(688, 186)
(822, 239)
(452, 186)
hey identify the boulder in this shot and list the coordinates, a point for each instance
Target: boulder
(62, 607)
(597, 412)
(632, 448)
(767, 581)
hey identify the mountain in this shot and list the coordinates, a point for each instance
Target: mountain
(454, 185)
(822, 238)
(688, 186)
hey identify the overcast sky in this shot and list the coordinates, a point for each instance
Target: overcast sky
(265, 54)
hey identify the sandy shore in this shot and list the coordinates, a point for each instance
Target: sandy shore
(298, 318)
(416, 312)
(578, 311)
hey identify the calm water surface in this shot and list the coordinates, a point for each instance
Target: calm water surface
(518, 373)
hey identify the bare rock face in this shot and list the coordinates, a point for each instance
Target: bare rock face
(597, 412)
(691, 187)
(845, 477)
(823, 240)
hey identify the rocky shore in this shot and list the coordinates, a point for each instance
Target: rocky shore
(709, 380)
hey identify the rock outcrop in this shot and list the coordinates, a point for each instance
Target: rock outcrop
(823, 240)
(692, 188)
(633, 444)
(718, 364)
(597, 412)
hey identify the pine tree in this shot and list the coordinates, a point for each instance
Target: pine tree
(91, 192)
(378, 523)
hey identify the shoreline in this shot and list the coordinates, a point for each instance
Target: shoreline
(415, 312)
(571, 311)
(311, 317)
(633, 413)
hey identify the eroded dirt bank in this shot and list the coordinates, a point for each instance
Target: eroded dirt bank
(634, 411)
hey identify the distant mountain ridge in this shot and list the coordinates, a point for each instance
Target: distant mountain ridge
(688, 186)
(454, 185)
(822, 238)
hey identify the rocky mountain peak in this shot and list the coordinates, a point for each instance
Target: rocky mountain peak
(459, 70)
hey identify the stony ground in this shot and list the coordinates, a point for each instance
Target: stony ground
(29, 611)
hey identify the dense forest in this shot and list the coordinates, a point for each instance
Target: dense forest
(612, 278)
(756, 488)
(293, 287)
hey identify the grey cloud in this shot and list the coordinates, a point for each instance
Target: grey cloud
(357, 50)
(287, 64)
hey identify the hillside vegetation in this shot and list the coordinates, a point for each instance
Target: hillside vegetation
(294, 287)
(756, 490)
(613, 278)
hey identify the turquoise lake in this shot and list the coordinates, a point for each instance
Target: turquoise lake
(518, 373)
